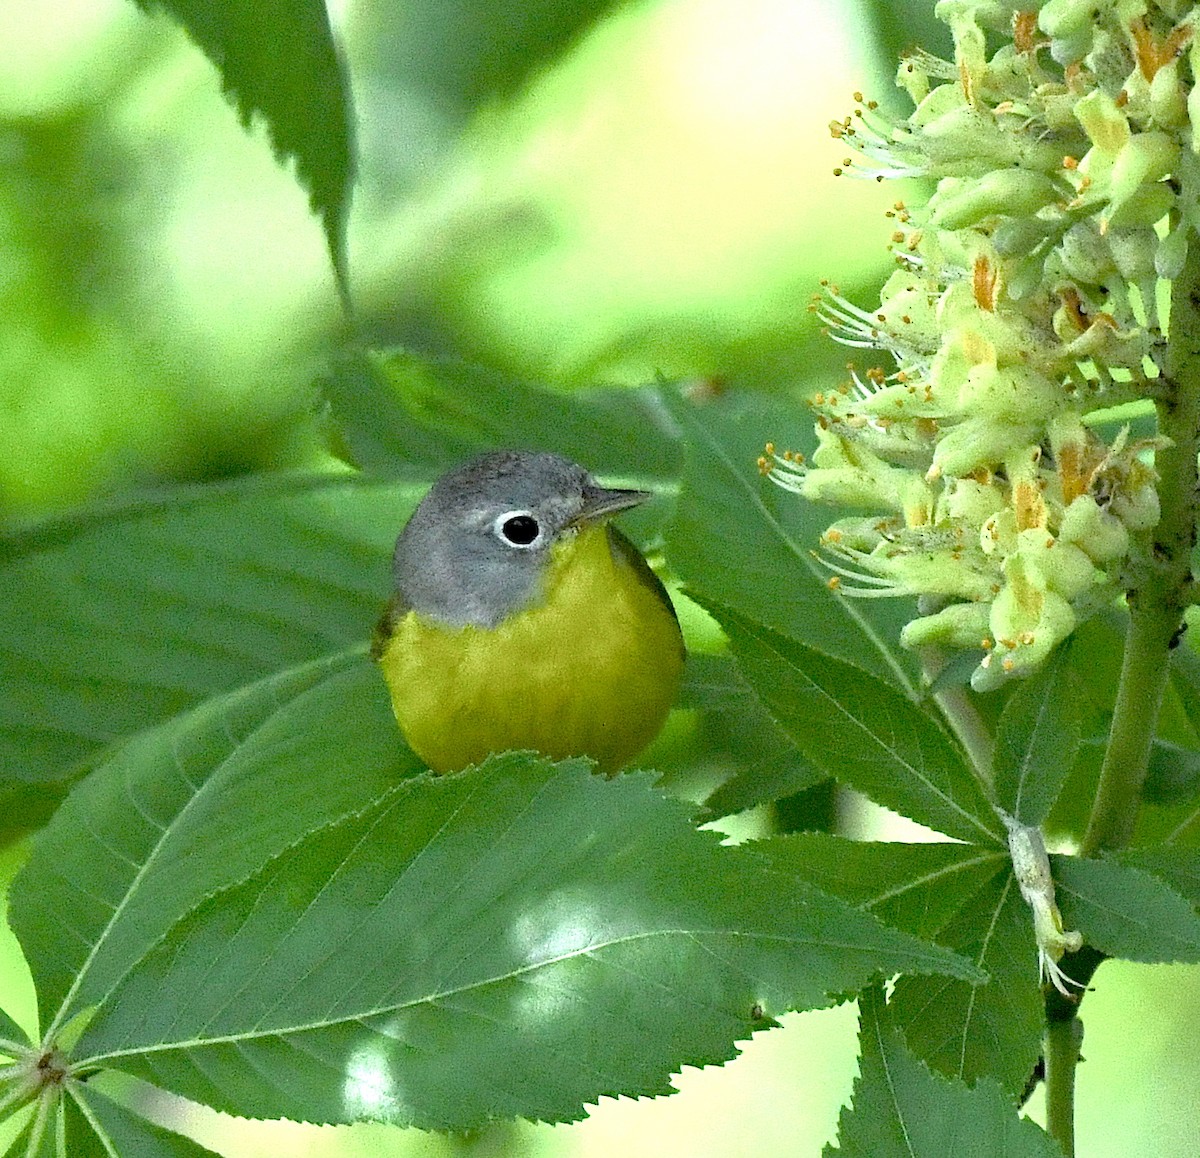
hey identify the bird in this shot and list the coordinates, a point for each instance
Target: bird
(521, 618)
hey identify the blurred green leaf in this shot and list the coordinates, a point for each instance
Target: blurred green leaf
(516, 939)
(112, 1129)
(1037, 741)
(739, 541)
(469, 51)
(1185, 679)
(858, 729)
(901, 1110)
(993, 1030)
(1172, 776)
(915, 887)
(122, 616)
(280, 61)
(406, 414)
(193, 806)
(1125, 912)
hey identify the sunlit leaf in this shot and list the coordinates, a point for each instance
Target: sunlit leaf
(280, 62)
(517, 939)
(1037, 741)
(860, 730)
(1126, 912)
(193, 806)
(902, 1110)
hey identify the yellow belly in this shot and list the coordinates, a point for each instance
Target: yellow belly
(592, 670)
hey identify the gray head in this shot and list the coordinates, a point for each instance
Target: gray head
(474, 549)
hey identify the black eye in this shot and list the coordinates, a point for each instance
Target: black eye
(520, 530)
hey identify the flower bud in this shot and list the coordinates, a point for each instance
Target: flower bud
(1097, 532)
(960, 625)
(959, 203)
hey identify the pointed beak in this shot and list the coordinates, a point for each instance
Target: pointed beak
(602, 503)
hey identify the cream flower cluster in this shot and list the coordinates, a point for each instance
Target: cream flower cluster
(1026, 301)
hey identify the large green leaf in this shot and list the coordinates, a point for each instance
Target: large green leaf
(862, 731)
(191, 807)
(994, 1029)
(741, 542)
(1037, 741)
(120, 617)
(901, 1110)
(1126, 912)
(915, 887)
(517, 939)
(407, 414)
(280, 61)
(962, 896)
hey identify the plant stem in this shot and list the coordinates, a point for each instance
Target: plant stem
(1162, 591)
(1063, 1039)
(962, 716)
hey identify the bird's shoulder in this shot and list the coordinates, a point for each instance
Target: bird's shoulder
(397, 608)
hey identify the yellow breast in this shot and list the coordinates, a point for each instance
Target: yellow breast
(590, 670)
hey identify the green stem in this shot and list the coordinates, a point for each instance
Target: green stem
(1163, 589)
(959, 710)
(1063, 1039)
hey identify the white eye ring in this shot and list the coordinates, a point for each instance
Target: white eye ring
(518, 529)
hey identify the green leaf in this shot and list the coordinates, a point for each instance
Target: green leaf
(738, 731)
(1173, 775)
(741, 542)
(915, 887)
(11, 1031)
(860, 730)
(961, 896)
(517, 939)
(1185, 679)
(121, 617)
(191, 807)
(280, 61)
(1176, 865)
(993, 1029)
(1125, 912)
(26, 807)
(116, 1130)
(902, 1110)
(1037, 741)
(407, 414)
(40, 1139)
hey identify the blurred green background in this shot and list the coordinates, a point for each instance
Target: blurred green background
(577, 192)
